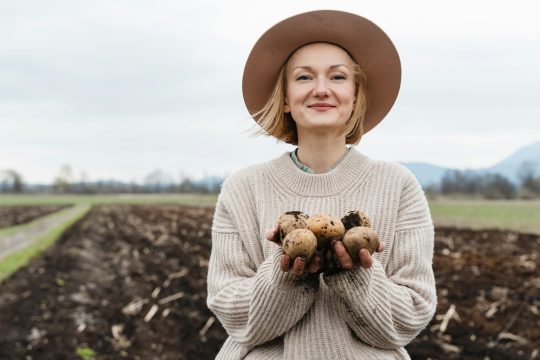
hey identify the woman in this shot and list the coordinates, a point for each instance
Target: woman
(320, 80)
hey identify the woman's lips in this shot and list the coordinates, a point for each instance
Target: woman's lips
(321, 107)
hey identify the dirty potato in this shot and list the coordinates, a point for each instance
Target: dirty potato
(300, 243)
(289, 221)
(356, 218)
(325, 228)
(360, 237)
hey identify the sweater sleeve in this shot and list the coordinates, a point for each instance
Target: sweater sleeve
(253, 303)
(387, 309)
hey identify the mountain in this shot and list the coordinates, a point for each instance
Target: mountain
(511, 165)
(429, 174)
(426, 173)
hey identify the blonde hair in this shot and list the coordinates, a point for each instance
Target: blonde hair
(273, 121)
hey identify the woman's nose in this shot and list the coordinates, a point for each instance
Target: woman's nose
(321, 89)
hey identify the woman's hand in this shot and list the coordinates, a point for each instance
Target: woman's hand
(299, 267)
(344, 260)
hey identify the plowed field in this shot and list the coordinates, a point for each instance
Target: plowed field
(130, 282)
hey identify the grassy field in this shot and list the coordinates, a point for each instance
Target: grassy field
(46, 199)
(519, 215)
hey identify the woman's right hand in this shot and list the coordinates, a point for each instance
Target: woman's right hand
(299, 267)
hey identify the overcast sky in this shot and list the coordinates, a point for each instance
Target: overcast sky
(117, 89)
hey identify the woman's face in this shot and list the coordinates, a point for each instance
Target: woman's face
(320, 91)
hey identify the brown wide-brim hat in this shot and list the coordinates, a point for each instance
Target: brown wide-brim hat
(369, 46)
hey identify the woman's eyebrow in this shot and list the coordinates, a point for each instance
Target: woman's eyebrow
(310, 68)
(338, 65)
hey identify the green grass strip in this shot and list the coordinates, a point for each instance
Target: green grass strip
(20, 227)
(517, 215)
(59, 199)
(18, 259)
(16, 228)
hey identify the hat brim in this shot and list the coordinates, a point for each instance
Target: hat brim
(369, 46)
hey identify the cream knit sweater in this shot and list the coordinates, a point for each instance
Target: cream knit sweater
(354, 314)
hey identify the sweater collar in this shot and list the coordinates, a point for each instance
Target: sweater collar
(352, 168)
(294, 157)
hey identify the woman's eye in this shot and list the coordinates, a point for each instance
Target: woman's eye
(302, 77)
(338, 77)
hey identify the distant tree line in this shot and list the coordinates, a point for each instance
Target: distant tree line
(11, 181)
(454, 182)
(488, 186)
(155, 182)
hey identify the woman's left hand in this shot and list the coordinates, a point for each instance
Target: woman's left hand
(345, 261)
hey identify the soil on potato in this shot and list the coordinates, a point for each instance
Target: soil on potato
(130, 282)
(21, 214)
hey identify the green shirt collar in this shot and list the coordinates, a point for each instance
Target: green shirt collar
(306, 168)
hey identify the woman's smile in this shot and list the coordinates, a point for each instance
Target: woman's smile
(321, 106)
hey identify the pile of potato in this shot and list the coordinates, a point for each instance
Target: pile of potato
(303, 236)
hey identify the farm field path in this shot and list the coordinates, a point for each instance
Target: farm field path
(13, 215)
(30, 233)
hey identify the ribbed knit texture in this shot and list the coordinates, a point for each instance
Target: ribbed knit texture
(354, 314)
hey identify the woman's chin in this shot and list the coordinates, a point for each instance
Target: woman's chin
(321, 128)
(322, 122)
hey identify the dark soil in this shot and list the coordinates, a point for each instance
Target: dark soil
(491, 279)
(99, 285)
(16, 215)
(77, 294)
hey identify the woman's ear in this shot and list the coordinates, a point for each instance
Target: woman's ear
(286, 107)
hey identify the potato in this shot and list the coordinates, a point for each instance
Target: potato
(356, 218)
(360, 237)
(300, 243)
(325, 228)
(289, 221)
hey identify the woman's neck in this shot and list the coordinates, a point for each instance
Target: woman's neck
(320, 155)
